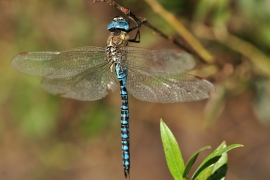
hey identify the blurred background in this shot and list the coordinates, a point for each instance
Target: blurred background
(47, 137)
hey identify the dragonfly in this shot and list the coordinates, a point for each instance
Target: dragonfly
(89, 73)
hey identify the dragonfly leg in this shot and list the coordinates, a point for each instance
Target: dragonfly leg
(137, 26)
(137, 36)
(137, 23)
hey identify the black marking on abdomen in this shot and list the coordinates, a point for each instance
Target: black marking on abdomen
(122, 75)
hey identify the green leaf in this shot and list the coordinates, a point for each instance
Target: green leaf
(220, 168)
(192, 160)
(208, 165)
(172, 152)
(217, 171)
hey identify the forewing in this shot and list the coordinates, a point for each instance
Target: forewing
(158, 62)
(89, 85)
(59, 64)
(168, 89)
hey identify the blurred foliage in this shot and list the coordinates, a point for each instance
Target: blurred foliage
(96, 122)
(262, 101)
(244, 23)
(177, 7)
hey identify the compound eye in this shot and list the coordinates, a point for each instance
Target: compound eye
(119, 24)
(111, 26)
(123, 25)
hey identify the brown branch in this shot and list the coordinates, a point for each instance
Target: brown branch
(182, 31)
(203, 55)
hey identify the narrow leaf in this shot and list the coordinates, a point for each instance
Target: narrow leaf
(172, 152)
(214, 157)
(192, 160)
(205, 173)
(215, 172)
(220, 168)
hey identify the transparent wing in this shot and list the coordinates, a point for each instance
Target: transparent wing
(89, 85)
(59, 64)
(158, 62)
(167, 89)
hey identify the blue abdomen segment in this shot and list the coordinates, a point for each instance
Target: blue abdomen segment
(121, 73)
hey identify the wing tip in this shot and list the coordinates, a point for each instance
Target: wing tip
(16, 59)
(13, 62)
(210, 86)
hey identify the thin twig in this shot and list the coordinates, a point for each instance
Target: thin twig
(198, 50)
(183, 32)
(256, 56)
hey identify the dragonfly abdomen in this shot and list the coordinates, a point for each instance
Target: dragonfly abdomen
(121, 73)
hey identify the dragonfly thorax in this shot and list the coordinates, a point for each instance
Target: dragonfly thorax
(114, 54)
(118, 38)
(114, 50)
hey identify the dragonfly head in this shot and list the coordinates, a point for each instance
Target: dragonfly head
(118, 23)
